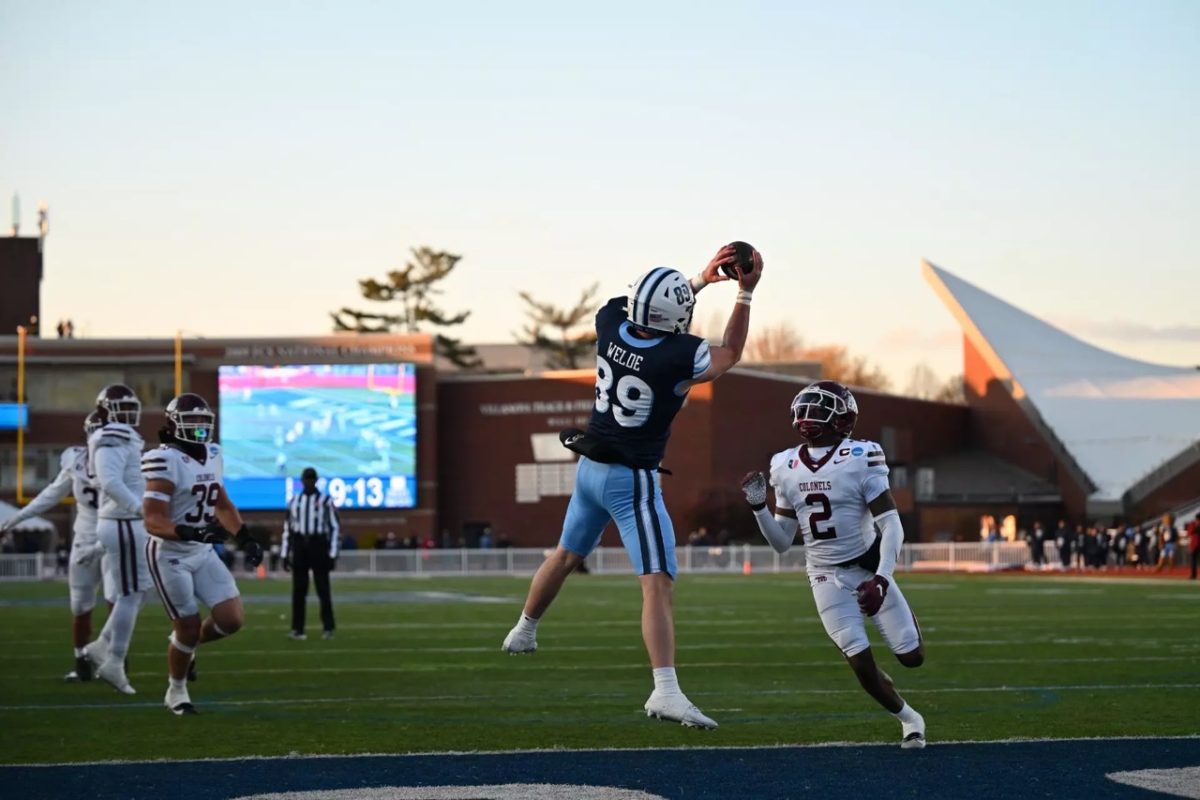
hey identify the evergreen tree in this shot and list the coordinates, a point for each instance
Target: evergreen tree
(553, 330)
(414, 288)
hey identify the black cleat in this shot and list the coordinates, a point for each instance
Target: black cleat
(184, 709)
(191, 673)
(82, 671)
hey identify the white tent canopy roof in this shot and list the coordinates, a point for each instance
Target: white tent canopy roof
(36, 524)
(1118, 418)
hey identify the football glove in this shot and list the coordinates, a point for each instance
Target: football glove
(287, 563)
(250, 546)
(871, 594)
(212, 533)
(754, 486)
(87, 553)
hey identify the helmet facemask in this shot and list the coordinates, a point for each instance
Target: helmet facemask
(126, 410)
(818, 413)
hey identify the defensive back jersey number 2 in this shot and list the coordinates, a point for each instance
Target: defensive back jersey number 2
(632, 400)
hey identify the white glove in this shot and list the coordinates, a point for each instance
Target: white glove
(86, 554)
(754, 486)
(10, 523)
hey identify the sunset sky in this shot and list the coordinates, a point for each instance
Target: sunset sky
(234, 168)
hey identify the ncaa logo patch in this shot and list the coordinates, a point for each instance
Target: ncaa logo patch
(858, 451)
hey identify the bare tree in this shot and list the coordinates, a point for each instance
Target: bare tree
(838, 365)
(553, 330)
(923, 382)
(775, 344)
(954, 390)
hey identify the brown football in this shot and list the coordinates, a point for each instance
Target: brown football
(745, 260)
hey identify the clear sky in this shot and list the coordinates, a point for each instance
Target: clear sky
(231, 168)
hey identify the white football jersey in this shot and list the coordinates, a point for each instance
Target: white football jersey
(197, 485)
(829, 489)
(119, 465)
(74, 460)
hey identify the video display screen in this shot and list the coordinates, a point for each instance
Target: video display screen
(356, 424)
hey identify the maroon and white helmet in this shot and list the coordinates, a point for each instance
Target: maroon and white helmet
(118, 403)
(92, 422)
(822, 408)
(190, 419)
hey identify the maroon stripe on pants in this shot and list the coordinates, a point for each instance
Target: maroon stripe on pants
(133, 570)
(156, 576)
(121, 555)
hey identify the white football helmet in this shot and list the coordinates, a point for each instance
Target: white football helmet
(661, 300)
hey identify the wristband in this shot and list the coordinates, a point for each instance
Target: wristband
(697, 283)
(744, 296)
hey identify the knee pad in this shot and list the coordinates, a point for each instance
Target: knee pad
(82, 602)
(850, 640)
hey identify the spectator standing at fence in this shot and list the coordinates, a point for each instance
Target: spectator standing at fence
(1063, 538)
(1037, 545)
(1169, 537)
(311, 535)
(1193, 532)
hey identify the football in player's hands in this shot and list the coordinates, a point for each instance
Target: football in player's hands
(871, 594)
(745, 260)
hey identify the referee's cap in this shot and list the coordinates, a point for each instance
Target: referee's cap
(309, 474)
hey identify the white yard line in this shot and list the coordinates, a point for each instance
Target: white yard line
(457, 698)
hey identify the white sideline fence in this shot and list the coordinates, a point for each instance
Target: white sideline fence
(949, 557)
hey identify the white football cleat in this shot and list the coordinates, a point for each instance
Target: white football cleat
(675, 707)
(179, 702)
(113, 672)
(96, 652)
(519, 641)
(914, 734)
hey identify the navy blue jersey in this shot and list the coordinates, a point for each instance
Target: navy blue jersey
(638, 385)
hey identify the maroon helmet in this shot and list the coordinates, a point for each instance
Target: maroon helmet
(93, 422)
(190, 419)
(118, 403)
(822, 408)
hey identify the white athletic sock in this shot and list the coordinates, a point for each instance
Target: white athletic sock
(527, 624)
(665, 680)
(124, 618)
(178, 683)
(79, 652)
(906, 715)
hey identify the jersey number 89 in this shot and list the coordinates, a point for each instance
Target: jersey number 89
(633, 401)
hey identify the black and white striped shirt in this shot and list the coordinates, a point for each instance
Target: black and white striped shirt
(311, 515)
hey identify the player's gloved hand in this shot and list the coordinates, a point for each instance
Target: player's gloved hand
(871, 594)
(287, 563)
(212, 533)
(754, 486)
(87, 553)
(332, 563)
(250, 546)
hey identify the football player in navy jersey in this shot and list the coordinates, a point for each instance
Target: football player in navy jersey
(646, 362)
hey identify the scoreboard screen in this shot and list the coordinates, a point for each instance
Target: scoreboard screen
(356, 424)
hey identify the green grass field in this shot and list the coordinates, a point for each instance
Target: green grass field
(1006, 657)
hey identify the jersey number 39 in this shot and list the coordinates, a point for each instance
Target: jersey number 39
(633, 401)
(206, 495)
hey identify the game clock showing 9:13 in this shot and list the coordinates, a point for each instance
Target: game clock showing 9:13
(357, 493)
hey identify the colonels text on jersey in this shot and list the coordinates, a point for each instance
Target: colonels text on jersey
(829, 489)
(197, 486)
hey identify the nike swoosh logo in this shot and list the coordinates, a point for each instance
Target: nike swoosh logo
(573, 439)
(840, 462)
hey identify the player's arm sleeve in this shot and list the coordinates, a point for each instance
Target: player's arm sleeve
(778, 529)
(335, 528)
(110, 474)
(47, 498)
(156, 466)
(877, 492)
(701, 361)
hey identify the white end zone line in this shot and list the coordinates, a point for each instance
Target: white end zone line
(545, 750)
(376, 699)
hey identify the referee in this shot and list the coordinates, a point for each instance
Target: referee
(311, 534)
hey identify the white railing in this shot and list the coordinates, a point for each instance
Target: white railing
(951, 556)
